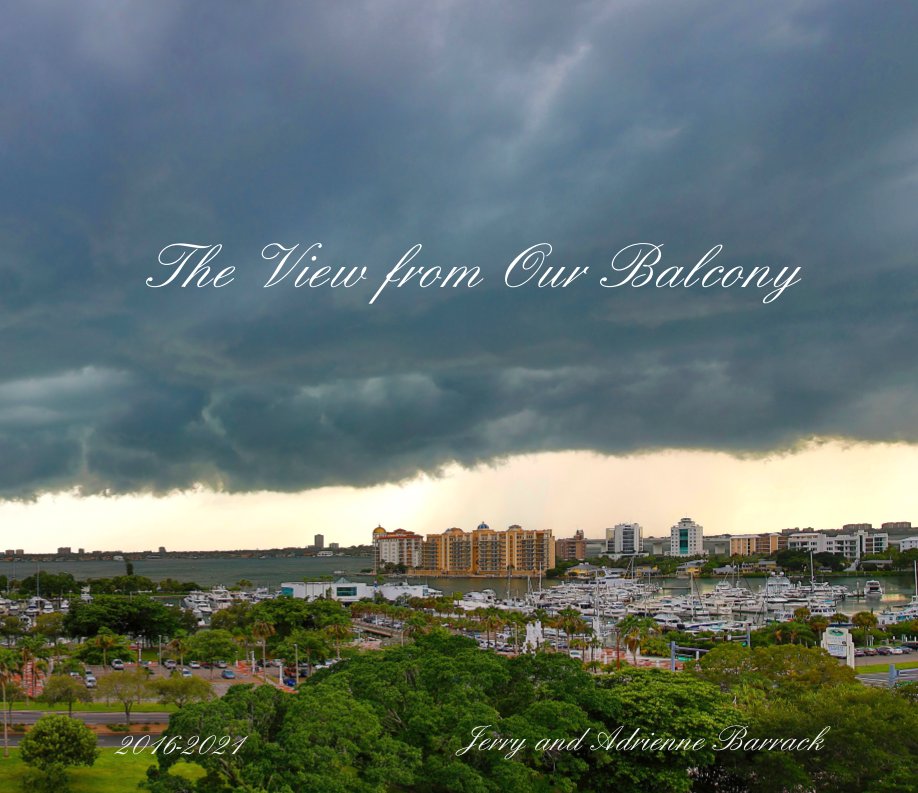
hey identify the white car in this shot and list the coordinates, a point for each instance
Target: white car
(194, 665)
(186, 672)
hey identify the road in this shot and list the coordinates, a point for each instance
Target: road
(90, 717)
(881, 679)
(871, 660)
(104, 741)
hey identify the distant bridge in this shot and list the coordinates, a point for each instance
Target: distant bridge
(379, 630)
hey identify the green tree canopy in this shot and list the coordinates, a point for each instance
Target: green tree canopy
(139, 616)
(54, 744)
(127, 688)
(211, 646)
(180, 690)
(65, 689)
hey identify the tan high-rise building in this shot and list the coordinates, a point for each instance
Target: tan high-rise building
(484, 551)
(448, 552)
(529, 551)
(489, 551)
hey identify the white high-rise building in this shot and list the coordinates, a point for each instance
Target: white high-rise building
(625, 539)
(685, 538)
(396, 547)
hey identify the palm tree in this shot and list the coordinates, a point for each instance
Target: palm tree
(865, 619)
(572, 623)
(10, 667)
(312, 645)
(491, 621)
(33, 653)
(261, 631)
(105, 640)
(338, 632)
(417, 623)
(517, 620)
(634, 631)
(819, 623)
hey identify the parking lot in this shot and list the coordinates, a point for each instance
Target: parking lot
(212, 676)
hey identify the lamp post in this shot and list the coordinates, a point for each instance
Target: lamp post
(296, 663)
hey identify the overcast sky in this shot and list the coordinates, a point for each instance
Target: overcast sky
(786, 131)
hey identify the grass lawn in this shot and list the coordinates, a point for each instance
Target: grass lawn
(98, 707)
(869, 669)
(112, 773)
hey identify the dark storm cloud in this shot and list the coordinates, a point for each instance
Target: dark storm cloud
(785, 131)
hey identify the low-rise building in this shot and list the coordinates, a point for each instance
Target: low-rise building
(342, 590)
(716, 545)
(757, 544)
(345, 591)
(657, 546)
(851, 546)
(569, 549)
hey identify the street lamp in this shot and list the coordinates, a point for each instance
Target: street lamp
(296, 663)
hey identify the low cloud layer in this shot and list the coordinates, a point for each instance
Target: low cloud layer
(787, 133)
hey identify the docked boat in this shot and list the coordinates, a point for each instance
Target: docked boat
(873, 588)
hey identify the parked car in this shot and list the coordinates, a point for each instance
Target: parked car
(895, 651)
(170, 664)
(289, 681)
(884, 651)
(186, 672)
(221, 664)
(118, 664)
(90, 681)
(228, 674)
(859, 652)
(194, 665)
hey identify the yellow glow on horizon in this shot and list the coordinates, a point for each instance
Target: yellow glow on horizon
(822, 485)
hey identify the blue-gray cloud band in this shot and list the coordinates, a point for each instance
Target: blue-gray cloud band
(785, 132)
